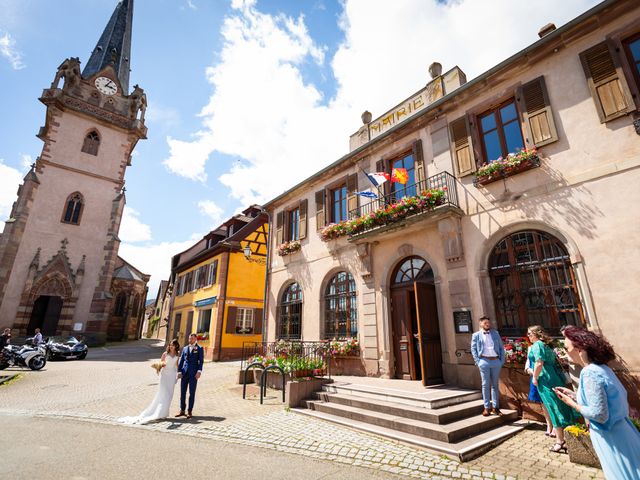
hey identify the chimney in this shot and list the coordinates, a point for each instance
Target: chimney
(546, 30)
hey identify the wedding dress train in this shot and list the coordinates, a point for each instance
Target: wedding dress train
(160, 405)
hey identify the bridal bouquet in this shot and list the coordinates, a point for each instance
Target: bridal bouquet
(157, 366)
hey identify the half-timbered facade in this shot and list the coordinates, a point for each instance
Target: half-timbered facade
(217, 287)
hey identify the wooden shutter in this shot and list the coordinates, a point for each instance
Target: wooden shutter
(381, 167)
(536, 114)
(279, 227)
(232, 313)
(352, 198)
(462, 146)
(418, 161)
(606, 81)
(257, 321)
(214, 275)
(321, 219)
(302, 229)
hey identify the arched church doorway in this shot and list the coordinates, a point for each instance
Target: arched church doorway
(45, 315)
(415, 324)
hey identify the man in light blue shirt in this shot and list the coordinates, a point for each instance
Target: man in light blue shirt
(488, 355)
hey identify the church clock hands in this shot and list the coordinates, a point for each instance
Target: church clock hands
(106, 85)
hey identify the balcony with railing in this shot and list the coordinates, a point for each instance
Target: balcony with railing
(407, 203)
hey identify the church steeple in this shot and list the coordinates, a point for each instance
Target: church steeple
(114, 46)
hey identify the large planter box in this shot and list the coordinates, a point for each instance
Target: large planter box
(581, 450)
(514, 393)
(507, 172)
(300, 390)
(274, 378)
(348, 365)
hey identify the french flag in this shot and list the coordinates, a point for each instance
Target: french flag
(378, 178)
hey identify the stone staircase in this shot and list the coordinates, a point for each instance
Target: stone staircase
(443, 419)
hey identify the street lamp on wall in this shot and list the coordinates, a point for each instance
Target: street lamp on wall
(247, 255)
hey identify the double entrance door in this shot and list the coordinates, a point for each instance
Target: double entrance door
(416, 333)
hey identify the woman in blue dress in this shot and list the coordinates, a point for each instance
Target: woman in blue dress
(534, 395)
(602, 400)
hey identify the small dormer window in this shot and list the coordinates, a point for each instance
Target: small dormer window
(91, 143)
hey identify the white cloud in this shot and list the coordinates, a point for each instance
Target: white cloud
(165, 117)
(191, 5)
(211, 210)
(132, 229)
(10, 179)
(153, 259)
(26, 161)
(8, 51)
(262, 110)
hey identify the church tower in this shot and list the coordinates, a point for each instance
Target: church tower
(59, 248)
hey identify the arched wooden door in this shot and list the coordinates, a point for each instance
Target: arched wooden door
(45, 315)
(415, 323)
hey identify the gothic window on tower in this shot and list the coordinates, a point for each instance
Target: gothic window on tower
(73, 209)
(91, 143)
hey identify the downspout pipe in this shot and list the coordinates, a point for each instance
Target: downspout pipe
(265, 301)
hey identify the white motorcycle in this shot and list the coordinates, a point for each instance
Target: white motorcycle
(27, 357)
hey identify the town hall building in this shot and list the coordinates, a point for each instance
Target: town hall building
(59, 264)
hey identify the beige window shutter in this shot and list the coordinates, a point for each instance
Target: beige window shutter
(535, 113)
(418, 160)
(302, 229)
(321, 220)
(352, 198)
(461, 146)
(280, 227)
(606, 82)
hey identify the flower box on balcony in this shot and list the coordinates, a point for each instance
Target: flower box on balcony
(287, 248)
(502, 168)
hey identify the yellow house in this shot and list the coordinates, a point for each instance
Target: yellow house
(218, 286)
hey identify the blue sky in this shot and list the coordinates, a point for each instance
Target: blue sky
(246, 97)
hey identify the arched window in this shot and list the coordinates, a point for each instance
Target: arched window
(533, 283)
(411, 270)
(135, 306)
(73, 209)
(290, 313)
(91, 143)
(121, 303)
(341, 311)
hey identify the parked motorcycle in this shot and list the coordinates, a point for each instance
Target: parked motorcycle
(27, 357)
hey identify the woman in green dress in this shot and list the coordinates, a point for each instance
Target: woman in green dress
(546, 376)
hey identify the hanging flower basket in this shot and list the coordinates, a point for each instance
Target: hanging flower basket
(513, 164)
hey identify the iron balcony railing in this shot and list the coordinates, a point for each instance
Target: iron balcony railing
(443, 181)
(297, 358)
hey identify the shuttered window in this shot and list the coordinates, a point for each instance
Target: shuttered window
(632, 49)
(536, 114)
(338, 203)
(500, 131)
(461, 146)
(291, 225)
(606, 81)
(418, 160)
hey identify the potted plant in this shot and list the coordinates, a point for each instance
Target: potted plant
(580, 446)
(287, 248)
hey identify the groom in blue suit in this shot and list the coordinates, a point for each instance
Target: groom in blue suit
(488, 354)
(189, 371)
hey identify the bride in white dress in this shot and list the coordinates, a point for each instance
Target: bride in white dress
(159, 407)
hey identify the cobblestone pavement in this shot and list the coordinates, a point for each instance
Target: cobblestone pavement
(117, 381)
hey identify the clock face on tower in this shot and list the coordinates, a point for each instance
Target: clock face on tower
(106, 85)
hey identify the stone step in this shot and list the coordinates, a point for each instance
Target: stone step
(451, 432)
(464, 450)
(432, 397)
(440, 416)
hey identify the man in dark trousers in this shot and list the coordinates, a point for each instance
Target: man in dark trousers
(189, 371)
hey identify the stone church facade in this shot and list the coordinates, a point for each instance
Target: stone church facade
(59, 264)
